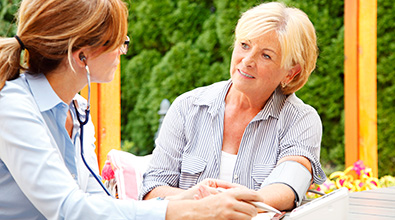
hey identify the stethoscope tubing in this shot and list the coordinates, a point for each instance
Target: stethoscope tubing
(82, 123)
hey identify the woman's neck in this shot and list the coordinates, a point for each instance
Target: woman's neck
(243, 101)
(65, 82)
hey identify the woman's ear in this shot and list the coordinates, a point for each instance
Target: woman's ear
(295, 70)
(80, 58)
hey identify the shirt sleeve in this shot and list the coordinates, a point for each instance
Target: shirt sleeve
(34, 161)
(165, 165)
(302, 137)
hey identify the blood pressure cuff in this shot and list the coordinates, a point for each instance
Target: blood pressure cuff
(292, 174)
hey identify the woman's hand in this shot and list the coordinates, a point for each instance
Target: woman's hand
(232, 204)
(216, 183)
(204, 188)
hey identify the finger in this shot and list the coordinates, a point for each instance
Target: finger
(212, 191)
(227, 185)
(202, 191)
(245, 209)
(197, 197)
(206, 191)
(216, 183)
(212, 183)
(246, 195)
(240, 216)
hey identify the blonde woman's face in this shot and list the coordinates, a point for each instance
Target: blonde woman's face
(256, 65)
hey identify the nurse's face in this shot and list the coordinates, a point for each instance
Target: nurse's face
(102, 68)
(104, 65)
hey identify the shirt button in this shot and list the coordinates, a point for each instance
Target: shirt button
(235, 177)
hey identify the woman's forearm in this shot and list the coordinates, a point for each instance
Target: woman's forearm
(279, 196)
(164, 191)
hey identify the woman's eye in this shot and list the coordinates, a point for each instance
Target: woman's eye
(244, 45)
(266, 56)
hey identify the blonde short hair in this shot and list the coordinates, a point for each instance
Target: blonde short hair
(295, 33)
(52, 29)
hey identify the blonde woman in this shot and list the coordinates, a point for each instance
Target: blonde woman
(252, 129)
(48, 168)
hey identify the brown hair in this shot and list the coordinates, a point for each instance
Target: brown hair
(52, 29)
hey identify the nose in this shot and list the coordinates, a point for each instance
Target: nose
(248, 60)
(121, 51)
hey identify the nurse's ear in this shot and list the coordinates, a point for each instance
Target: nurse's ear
(80, 58)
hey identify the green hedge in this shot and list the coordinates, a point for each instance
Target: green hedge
(184, 44)
(178, 45)
(8, 9)
(386, 86)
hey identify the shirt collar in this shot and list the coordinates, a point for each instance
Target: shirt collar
(214, 98)
(45, 96)
(273, 105)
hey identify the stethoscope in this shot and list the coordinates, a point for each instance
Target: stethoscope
(82, 123)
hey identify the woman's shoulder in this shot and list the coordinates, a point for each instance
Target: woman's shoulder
(16, 98)
(204, 94)
(296, 114)
(14, 90)
(298, 107)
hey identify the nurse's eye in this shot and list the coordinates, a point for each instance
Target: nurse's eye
(244, 45)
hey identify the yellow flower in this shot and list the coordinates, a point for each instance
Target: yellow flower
(360, 180)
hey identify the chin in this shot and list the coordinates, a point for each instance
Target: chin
(111, 77)
(104, 80)
(107, 80)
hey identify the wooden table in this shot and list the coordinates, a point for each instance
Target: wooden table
(378, 204)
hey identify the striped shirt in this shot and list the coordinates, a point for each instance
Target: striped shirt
(188, 148)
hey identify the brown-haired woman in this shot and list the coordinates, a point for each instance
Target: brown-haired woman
(47, 162)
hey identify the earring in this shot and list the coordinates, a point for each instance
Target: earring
(283, 85)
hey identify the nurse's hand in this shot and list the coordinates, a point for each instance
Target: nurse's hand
(232, 204)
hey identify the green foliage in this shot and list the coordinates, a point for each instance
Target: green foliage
(135, 74)
(178, 45)
(192, 43)
(386, 86)
(8, 9)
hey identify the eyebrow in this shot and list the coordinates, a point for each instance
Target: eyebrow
(265, 48)
(268, 49)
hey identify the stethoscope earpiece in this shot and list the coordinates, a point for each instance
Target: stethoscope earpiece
(82, 57)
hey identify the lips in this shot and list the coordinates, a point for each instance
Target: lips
(245, 74)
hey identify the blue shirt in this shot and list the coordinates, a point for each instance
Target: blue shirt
(188, 148)
(42, 175)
